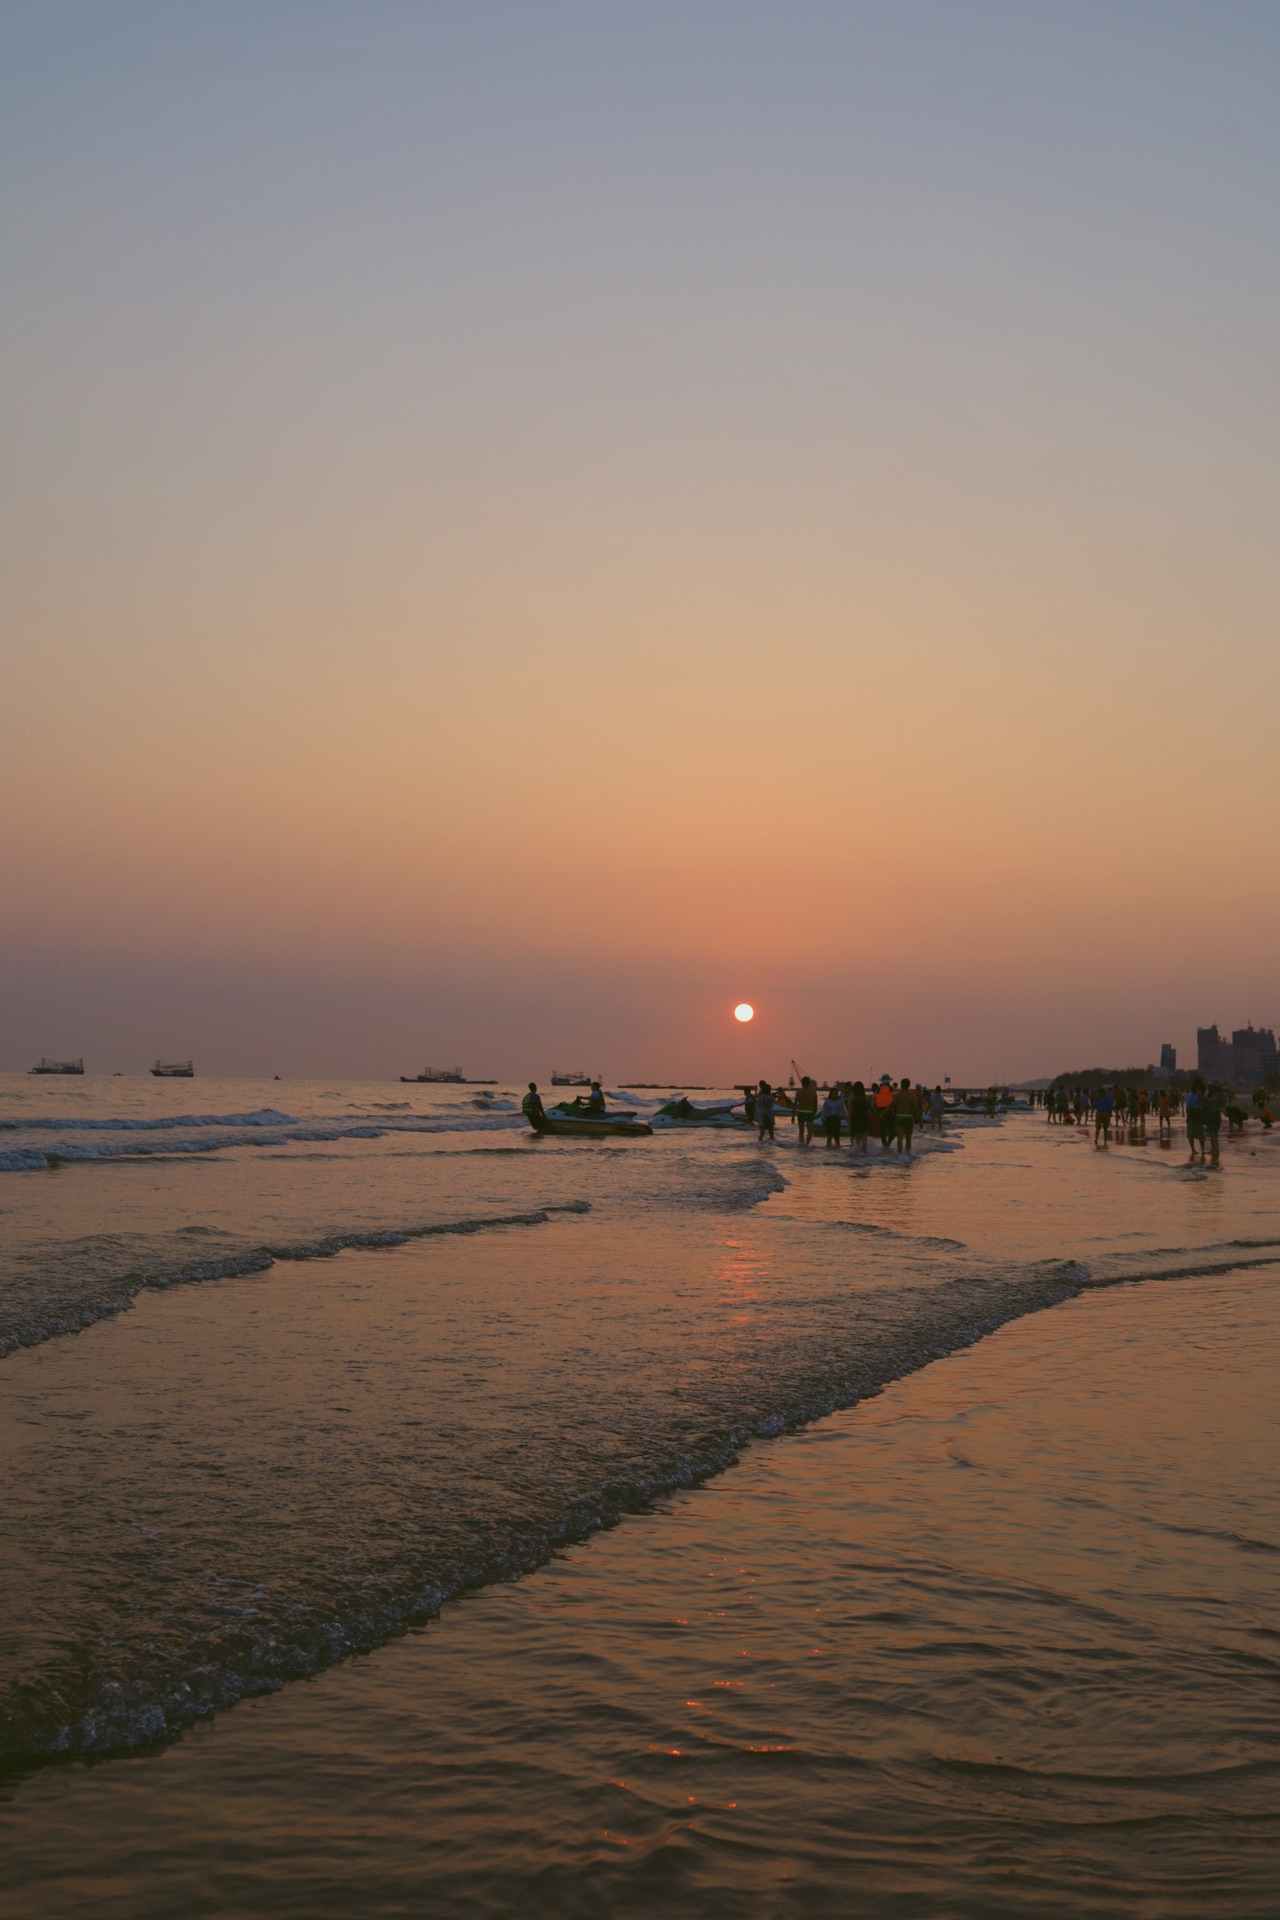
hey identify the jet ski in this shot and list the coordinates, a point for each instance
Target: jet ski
(571, 1118)
(683, 1113)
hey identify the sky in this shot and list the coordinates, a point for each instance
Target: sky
(524, 525)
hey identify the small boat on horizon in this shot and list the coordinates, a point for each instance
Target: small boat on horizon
(174, 1070)
(443, 1076)
(561, 1078)
(57, 1066)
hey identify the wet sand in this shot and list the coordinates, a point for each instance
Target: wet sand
(1003, 1640)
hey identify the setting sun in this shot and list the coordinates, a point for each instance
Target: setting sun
(744, 1011)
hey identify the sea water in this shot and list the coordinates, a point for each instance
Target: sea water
(345, 1352)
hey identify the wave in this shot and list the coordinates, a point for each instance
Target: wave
(262, 1636)
(123, 1123)
(934, 1241)
(261, 1133)
(270, 1637)
(74, 1318)
(1198, 1264)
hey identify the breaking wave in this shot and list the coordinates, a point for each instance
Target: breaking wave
(251, 1130)
(46, 1319)
(593, 1455)
(123, 1123)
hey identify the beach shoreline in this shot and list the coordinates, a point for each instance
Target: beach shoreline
(940, 1637)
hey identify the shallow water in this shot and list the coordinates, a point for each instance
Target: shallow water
(232, 1483)
(1003, 1640)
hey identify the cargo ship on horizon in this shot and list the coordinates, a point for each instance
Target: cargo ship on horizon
(443, 1076)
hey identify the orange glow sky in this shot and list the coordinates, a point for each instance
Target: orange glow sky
(522, 529)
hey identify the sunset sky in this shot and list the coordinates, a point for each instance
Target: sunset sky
(524, 525)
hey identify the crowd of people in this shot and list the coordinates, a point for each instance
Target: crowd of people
(1203, 1106)
(889, 1110)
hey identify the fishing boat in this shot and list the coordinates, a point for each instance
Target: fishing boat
(174, 1070)
(58, 1066)
(561, 1078)
(441, 1076)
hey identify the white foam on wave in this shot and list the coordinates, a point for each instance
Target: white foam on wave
(147, 1697)
(70, 1152)
(117, 1295)
(120, 1123)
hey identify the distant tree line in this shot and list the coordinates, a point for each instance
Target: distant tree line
(1094, 1077)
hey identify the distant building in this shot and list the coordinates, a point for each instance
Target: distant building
(1250, 1047)
(1168, 1058)
(1249, 1054)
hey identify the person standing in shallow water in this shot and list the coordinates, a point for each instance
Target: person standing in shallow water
(904, 1116)
(764, 1110)
(884, 1113)
(806, 1109)
(832, 1115)
(859, 1116)
(1211, 1108)
(1195, 1117)
(531, 1106)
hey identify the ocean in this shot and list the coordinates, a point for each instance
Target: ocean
(363, 1386)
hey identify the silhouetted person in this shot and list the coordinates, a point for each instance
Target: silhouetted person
(1195, 1116)
(859, 1115)
(904, 1115)
(884, 1113)
(1212, 1107)
(806, 1109)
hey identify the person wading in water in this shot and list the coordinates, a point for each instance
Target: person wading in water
(884, 1113)
(859, 1116)
(904, 1113)
(806, 1109)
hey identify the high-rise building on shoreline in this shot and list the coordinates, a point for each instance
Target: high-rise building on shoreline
(1249, 1054)
(1168, 1058)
